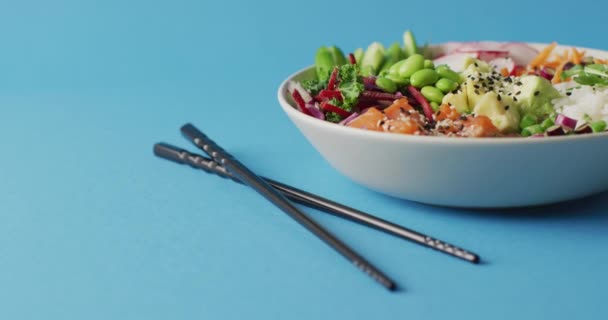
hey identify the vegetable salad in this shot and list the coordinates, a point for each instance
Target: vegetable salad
(470, 89)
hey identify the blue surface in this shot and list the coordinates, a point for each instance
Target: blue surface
(92, 226)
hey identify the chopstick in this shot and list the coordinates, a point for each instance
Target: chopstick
(181, 156)
(248, 177)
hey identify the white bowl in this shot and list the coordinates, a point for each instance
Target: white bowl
(460, 172)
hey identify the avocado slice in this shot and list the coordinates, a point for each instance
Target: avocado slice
(534, 95)
(458, 100)
(503, 100)
(505, 117)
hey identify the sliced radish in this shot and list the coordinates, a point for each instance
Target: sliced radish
(478, 46)
(295, 86)
(503, 63)
(520, 52)
(455, 60)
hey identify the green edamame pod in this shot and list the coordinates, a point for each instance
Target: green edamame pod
(445, 72)
(324, 63)
(428, 64)
(386, 84)
(446, 85)
(373, 58)
(411, 65)
(358, 55)
(393, 55)
(432, 94)
(434, 105)
(424, 77)
(410, 43)
(337, 55)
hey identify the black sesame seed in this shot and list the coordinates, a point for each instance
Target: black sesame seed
(568, 93)
(381, 123)
(518, 93)
(536, 93)
(449, 104)
(476, 86)
(476, 64)
(506, 107)
(519, 83)
(476, 91)
(499, 98)
(514, 98)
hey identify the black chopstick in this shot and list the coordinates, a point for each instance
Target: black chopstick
(196, 161)
(263, 188)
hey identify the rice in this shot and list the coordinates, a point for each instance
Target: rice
(583, 103)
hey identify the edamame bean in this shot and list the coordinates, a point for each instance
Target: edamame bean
(394, 69)
(432, 94)
(446, 85)
(393, 55)
(398, 81)
(337, 55)
(428, 64)
(373, 58)
(411, 65)
(434, 105)
(358, 55)
(424, 77)
(445, 72)
(386, 84)
(324, 63)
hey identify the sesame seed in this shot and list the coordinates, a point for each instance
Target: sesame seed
(506, 107)
(536, 93)
(476, 91)
(518, 93)
(515, 99)
(568, 93)
(499, 98)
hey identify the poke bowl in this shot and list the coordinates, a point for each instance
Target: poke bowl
(503, 145)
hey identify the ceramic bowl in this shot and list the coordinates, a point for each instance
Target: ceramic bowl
(460, 172)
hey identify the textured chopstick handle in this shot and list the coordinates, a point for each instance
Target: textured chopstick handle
(450, 249)
(182, 156)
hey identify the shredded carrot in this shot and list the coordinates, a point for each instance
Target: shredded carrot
(577, 56)
(557, 77)
(600, 61)
(543, 55)
(504, 72)
(552, 64)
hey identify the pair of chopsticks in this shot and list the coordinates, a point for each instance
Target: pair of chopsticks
(225, 165)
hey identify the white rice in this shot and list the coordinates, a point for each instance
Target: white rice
(583, 102)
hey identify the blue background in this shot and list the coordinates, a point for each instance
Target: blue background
(93, 226)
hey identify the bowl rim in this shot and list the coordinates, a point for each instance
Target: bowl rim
(375, 135)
